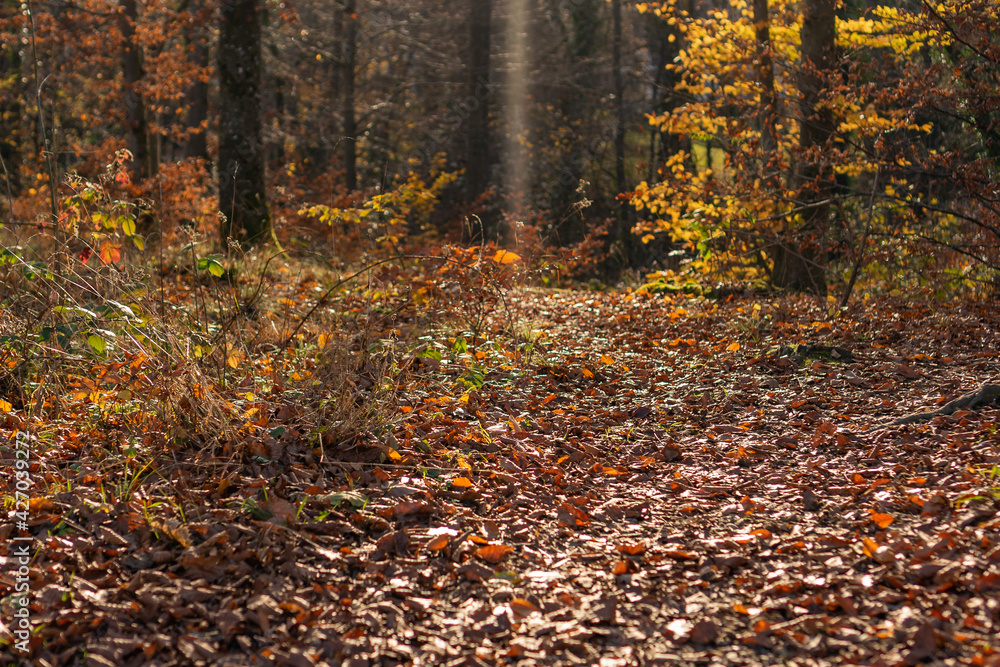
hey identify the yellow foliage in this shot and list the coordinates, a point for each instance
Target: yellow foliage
(703, 208)
(411, 201)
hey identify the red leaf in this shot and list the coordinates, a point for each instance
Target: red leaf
(111, 253)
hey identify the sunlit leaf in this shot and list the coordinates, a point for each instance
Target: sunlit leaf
(493, 553)
(505, 257)
(96, 343)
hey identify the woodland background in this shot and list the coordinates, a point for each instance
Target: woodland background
(765, 140)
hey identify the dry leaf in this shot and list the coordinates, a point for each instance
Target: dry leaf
(494, 553)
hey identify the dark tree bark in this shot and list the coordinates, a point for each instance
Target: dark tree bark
(242, 195)
(665, 98)
(197, 101)
(144, 162)
(10, 113)
(350, 128)
(477, 130)
(619, 77)
(765, 75)
(623, 234)
(799, 262)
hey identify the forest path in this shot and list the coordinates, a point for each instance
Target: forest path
(646, 482)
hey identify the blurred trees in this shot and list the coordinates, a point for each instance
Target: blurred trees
(801, 142)
(831, 141)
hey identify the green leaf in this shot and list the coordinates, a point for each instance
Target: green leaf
(128, 226)
(216, 269)
(97, 343)
(139, 243)
(352, 498)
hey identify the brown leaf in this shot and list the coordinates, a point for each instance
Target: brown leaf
(605, 609)
(572, 516)
(704, 632)
(473, 571)
(280, 508)
(406, 508)
(174, 530)
(923, 643)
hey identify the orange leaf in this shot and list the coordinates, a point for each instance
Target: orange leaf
(461, 482)
(494, 553)
(734, 347)
(111, 253)
(505, 257)
(883, 521)
(869, 546)
(621, 567)
(438, 543)
(522, 607)
(41, 505)
(605, 359)
(631, 549)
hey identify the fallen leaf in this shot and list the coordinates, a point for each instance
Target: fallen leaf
(522, 607)
(505, 257)
(883, 521)
(494, 553)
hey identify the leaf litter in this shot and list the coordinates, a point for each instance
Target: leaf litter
(650, 481)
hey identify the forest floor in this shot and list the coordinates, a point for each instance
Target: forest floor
(644, 480)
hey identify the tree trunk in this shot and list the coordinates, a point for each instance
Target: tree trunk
(350, 128)
(10, 112)
(765, 69)
(664, 42)
(799, 259)
(477, 139)
(143, 165)
(619, 77)
(624, 232)
(197, 102)
(242, 195)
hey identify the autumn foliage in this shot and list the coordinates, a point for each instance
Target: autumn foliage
(911, 155)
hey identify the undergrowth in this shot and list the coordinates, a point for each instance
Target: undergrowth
(132, 366)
